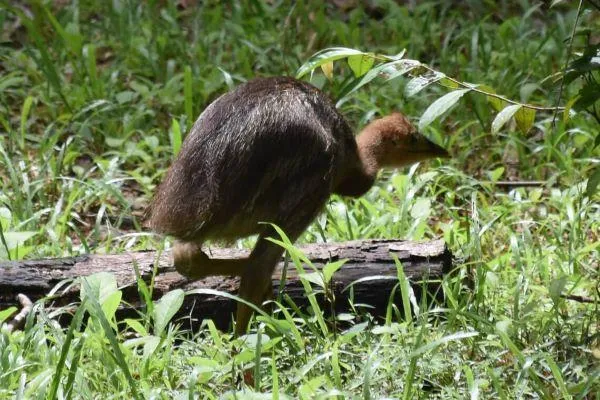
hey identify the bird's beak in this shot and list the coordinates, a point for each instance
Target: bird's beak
(430, 149)
(437, 150)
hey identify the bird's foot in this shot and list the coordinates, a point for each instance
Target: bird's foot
(189, 260)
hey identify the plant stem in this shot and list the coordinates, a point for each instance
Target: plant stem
(474, 87)
(497, 96)
(562, 82)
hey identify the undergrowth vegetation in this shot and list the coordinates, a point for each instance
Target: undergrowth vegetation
(95, 98)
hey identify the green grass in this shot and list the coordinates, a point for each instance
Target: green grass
(96, 96)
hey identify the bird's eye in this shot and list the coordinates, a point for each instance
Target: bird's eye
(396, 141)
(412, 138)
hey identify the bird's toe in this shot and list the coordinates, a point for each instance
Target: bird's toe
(188, 259)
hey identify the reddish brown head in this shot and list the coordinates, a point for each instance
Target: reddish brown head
(392, 141)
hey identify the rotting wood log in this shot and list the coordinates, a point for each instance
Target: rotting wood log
(424, 263)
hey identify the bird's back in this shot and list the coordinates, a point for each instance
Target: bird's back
(255, 154)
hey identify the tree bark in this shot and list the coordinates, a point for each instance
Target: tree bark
(424, 263)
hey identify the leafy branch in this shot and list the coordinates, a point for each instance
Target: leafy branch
(368, 66)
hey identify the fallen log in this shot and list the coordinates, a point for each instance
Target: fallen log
(424, 263)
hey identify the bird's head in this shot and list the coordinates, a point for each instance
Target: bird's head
(393, 141)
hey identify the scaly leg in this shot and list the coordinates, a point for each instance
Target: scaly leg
(256, 284)
(191, 262)
(256, 270)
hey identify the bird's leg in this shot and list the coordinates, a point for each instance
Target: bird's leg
(256, 283)
(191, 262)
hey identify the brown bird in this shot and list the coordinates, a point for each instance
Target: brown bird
(272, 150)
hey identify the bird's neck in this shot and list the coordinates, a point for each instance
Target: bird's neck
(362, 170)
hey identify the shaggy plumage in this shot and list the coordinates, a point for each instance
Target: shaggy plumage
(272, 150)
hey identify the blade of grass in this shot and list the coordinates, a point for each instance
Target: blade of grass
(96, 310)
(73, 327)
(274, 377)
(404, 289)
(257, 357)
(24, 116)
(44, 61)
(187, 94)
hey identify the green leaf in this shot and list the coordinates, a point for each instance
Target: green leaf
(440, 106)
(593, 182)
(297, 256)
(20, 252)
(89, 51)
(449, 83)
(111, 303)
(503, 117)
(524, 118)
(166, 308)
(310, 389)
(71, 37)
(325, 56)
(11, 79)
(556, 288)
(360, 64)
(405, 289)
(587, 96)
(101, 284)
(14, 239)
(584, 65)
(136, 326)
(5, 314)
(558, 376)
(293, 330)
(398, 68)
(175, 136)
(438, 342)
(205, 368)
(421, 208)
(125, 96)
(496, 174)
(24, 116)
(243, 357)
(227, 78)
(503, 325)
(114, 141)
(391, 69)
(369, 279)
(327, 69)
(43, 59)
(331, 268)
(568, 107)
(94, 308)
(5, 218)
(335, 365)
(417, 84)
(75, 326)
(152, 142)
(150, 345)
(313, 277)
(188, 94)
(496, 103)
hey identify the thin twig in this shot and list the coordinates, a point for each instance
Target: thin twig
(474, 88)
(520, 183)
(579, 299)
(497, 96)
(562, 82)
